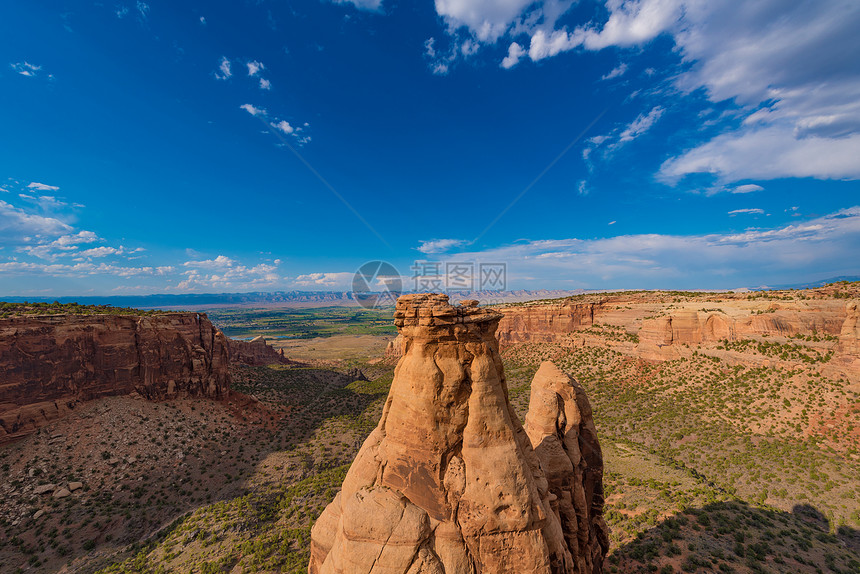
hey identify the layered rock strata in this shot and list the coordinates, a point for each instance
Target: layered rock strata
(50, 363)
(254, 353)
(449, 481)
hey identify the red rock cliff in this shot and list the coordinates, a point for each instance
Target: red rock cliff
(545, 323)
(254, 353)
(50, 362)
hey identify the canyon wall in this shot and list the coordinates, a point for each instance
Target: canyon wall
(545, 322)
(49, 363)
(255, 353)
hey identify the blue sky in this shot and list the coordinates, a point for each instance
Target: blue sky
(170, 147)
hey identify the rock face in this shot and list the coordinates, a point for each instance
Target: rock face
(49, 363)
(561, 429)
(846, 359)
(394, 348)
(545, 323)
(658, 335)
(449, 481)
(255, 353)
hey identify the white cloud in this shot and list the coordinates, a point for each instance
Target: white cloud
(369, 5)
(77, 238)
(26, 68)
(255, 67)
(340, 279)
(254, 111)
(225, 273)
(546, 44)
(440, 245)
(747, 188)
(640, 125)
(515, 52)
(265, 84)
(822, 247)
(618, 136)
(42, 187)
(749, 210)
(789, 66)
(82, 269)
(17, 225)
(283, 126)
(220, 262)
(63, 246)
(768, 153)
(487, 21)
(616, 72)
(225, 69)
(103, 251)
(633, 22)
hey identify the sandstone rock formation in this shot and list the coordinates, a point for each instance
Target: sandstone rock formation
(255, 353)
(449, 481)
(846, 359)
(50, 362)
(658, 335)
(394, 349)
(545, 323)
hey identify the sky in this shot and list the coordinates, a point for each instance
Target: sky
(202, 147)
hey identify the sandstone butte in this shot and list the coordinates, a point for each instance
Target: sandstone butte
(255, 352)
(450, 481)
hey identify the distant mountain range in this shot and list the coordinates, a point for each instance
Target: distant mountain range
(203, 301)
(811, 285)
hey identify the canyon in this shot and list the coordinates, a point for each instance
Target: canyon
(664, 326)
(53, 363)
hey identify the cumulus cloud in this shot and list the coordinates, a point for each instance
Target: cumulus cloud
(341, 279)
(440, 245)
(224, 273)
(515, 52)
(283, 126)
(255, 67)
(220, 262)
(265, 84)
(823, 247)
(546, 44)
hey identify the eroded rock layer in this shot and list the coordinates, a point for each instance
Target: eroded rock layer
(449, 482)
(254, 353)
(49, 363)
